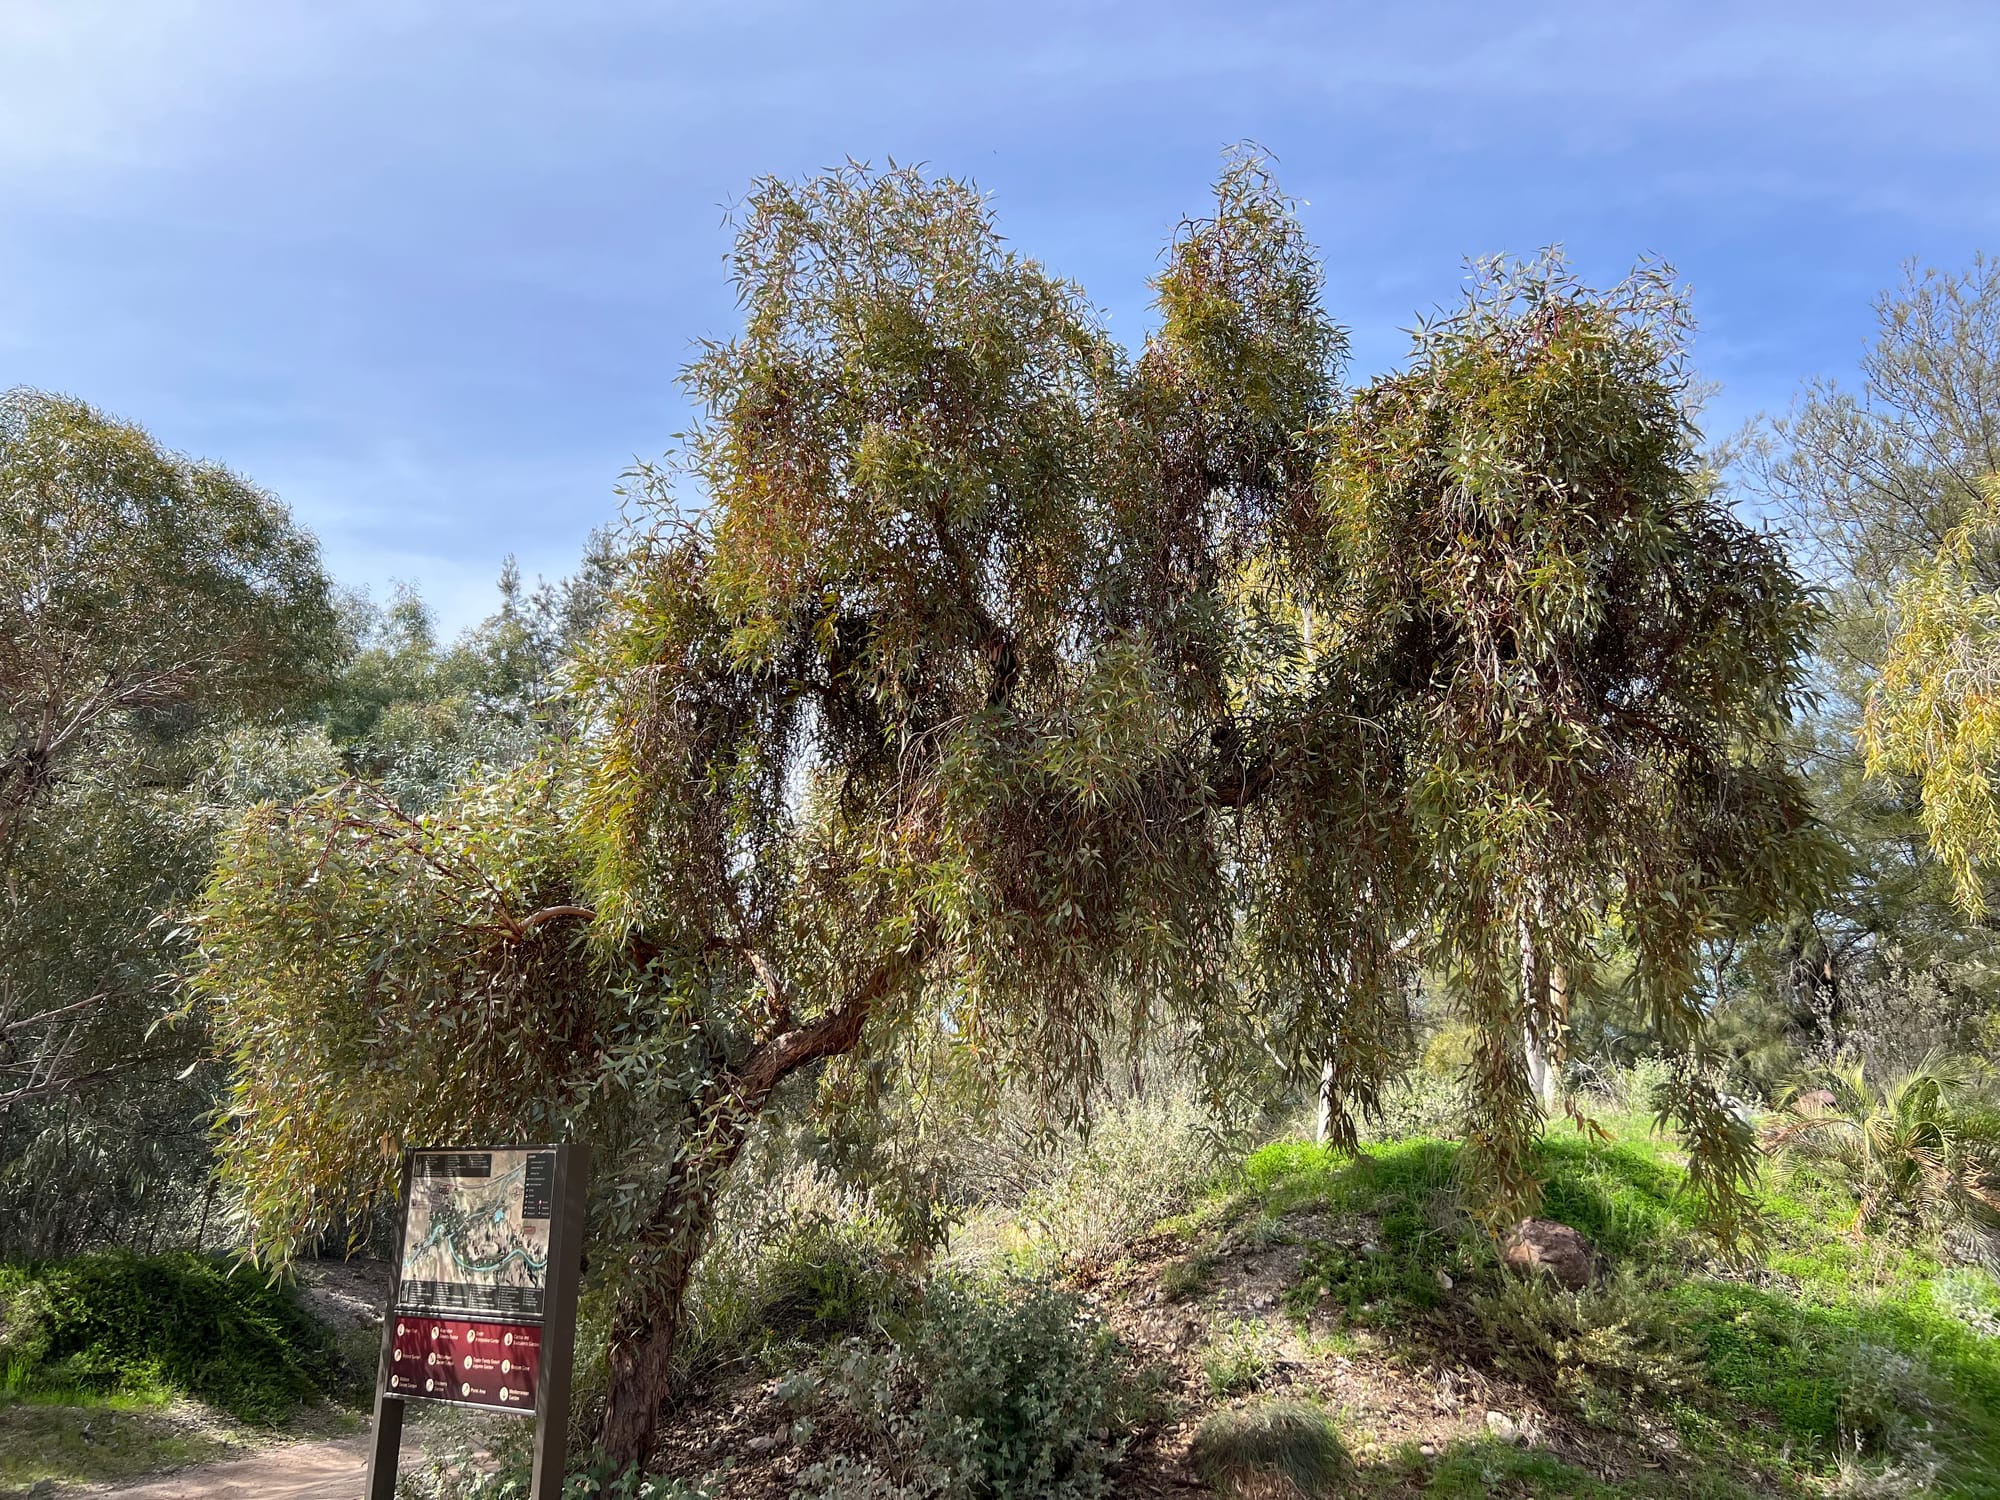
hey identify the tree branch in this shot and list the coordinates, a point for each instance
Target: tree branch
(836, 1032)
(529, 923)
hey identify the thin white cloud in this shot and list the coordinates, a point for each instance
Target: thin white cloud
(426, 267)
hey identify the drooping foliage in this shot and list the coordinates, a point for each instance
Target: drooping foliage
(402, 966)
(1590, 658)
(1013, 698)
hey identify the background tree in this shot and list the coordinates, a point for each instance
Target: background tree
(1934, 713)
(419, 715)
(134, 580)
(148, 605)
(173, 655)
(1871, 480)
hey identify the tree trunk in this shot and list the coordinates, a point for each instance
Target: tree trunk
(647, 1323)
(1541, 1079)
(1545, 1064)
(1559, 1015)
(1329, 1069)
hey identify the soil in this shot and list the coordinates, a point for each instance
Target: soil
(332, 1470)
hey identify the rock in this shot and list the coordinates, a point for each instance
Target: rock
(1429, 1450)
(1444, 1280)
(1502, 1426)
(1537, 1245)
(1815, 1102)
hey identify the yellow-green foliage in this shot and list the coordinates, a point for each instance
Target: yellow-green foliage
(1935, 712)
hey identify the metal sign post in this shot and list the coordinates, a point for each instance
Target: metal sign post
(483, 1309)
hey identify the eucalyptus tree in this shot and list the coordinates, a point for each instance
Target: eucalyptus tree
(136, 581)
(1020, 694)
(147, 603)
(1594, 661)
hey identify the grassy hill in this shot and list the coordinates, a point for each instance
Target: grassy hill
(1318, 1322)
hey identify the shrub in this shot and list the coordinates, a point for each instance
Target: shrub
(229, 1336)
(1971, 1295)
(1913, 1151)
(824, 1277)
(1639, 1087)
(481, 1462)
(1254, 1450)
(24, 1324)
(1596, 1347)
(1418, 1104)
(797, 1260)
(1142, 1162)
(845, 1477)
(991, 1390)
(1858, 1479)
(1022, 1391)
(1886, 1402)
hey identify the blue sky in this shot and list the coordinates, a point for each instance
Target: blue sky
(428, 270)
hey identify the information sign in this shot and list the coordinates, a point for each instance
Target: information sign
(483, 1312)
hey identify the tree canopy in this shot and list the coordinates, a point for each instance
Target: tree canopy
(1934, 713)
(1016, 692)
(135, 580)
(150, 607)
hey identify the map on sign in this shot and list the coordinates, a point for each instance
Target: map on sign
(476, 1235)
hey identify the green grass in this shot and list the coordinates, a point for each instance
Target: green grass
(1240, 1449)
(100, 1438)
(1818, 1341)
(1238, 1361)
(149, 1328)
(1477, 1470)
(118, 1365)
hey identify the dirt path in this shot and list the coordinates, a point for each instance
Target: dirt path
(296, 1471)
